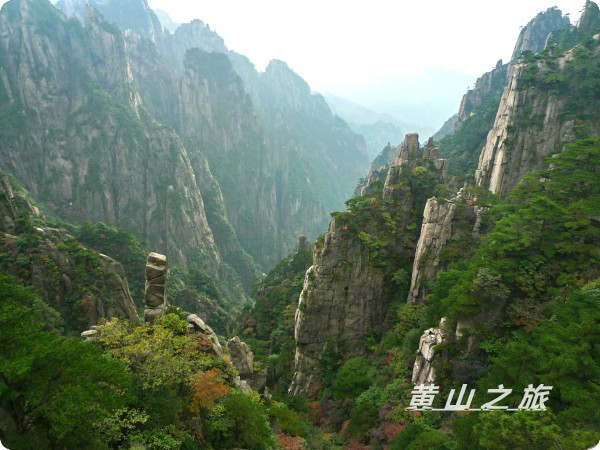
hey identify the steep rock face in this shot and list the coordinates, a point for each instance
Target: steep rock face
(242, 357)
(374, 176)
(423, 369)
(479, 105)
(533, 121)
(491, 104)
(197, 325)
(314, 157)
(490, 85)
(128, 14)
(531, 124)
(340, 302)
(297, 160)
(492, 165)
(195, 34)
(412, 157)
(534, 35)
(83, 285)
(198, 104)
(90, 151)
(435, 231)
(343, 296)
(589, 22)
(440, 224)
(218, 118)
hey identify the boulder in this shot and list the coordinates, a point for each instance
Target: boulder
(90, 335)
(198, 326)
(242, 357)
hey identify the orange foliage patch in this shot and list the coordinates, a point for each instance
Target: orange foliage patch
(344, 427)
(391, 430)
(288, 442)
(206, 388)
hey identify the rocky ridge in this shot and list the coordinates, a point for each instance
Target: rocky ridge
(266, 128)
(343, 296)
(531, 124)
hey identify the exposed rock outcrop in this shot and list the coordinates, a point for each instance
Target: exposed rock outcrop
(411, 156)
(435, 231)
(511, 151)
(340, 302)
(90, 335)
(424, 369)
(440, 224)
(297, 160)
(155, 292)
(534, 35)
(93, 153)
(589, 22)
(530, 125)
(488, 86)
(242, 359)
(197, 325)
(343, 296)
(373, 176)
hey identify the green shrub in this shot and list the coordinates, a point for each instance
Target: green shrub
(353, 378)
(239, 421)
(364, 418)
(289, 421)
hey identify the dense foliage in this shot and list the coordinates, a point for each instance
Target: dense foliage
(53, 390)
(269, 326)
(150, 386)
(122, 245)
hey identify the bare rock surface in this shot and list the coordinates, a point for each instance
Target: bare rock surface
(155, 292)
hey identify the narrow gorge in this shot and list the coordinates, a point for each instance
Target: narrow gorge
(196, 253)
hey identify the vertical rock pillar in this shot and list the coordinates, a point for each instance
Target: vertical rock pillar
(155, 299)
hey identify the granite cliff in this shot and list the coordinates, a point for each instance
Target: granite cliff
(527, 106)
(349, 287)
(108, 117)
(543, 107)
(267, 128)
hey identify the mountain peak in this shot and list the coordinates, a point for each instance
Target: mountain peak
(589, 22)
(533, 36)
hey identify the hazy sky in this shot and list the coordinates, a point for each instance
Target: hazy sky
(336, 43)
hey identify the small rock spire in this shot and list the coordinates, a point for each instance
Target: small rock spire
(155, 299)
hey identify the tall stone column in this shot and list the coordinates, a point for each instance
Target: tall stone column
(155, 303)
